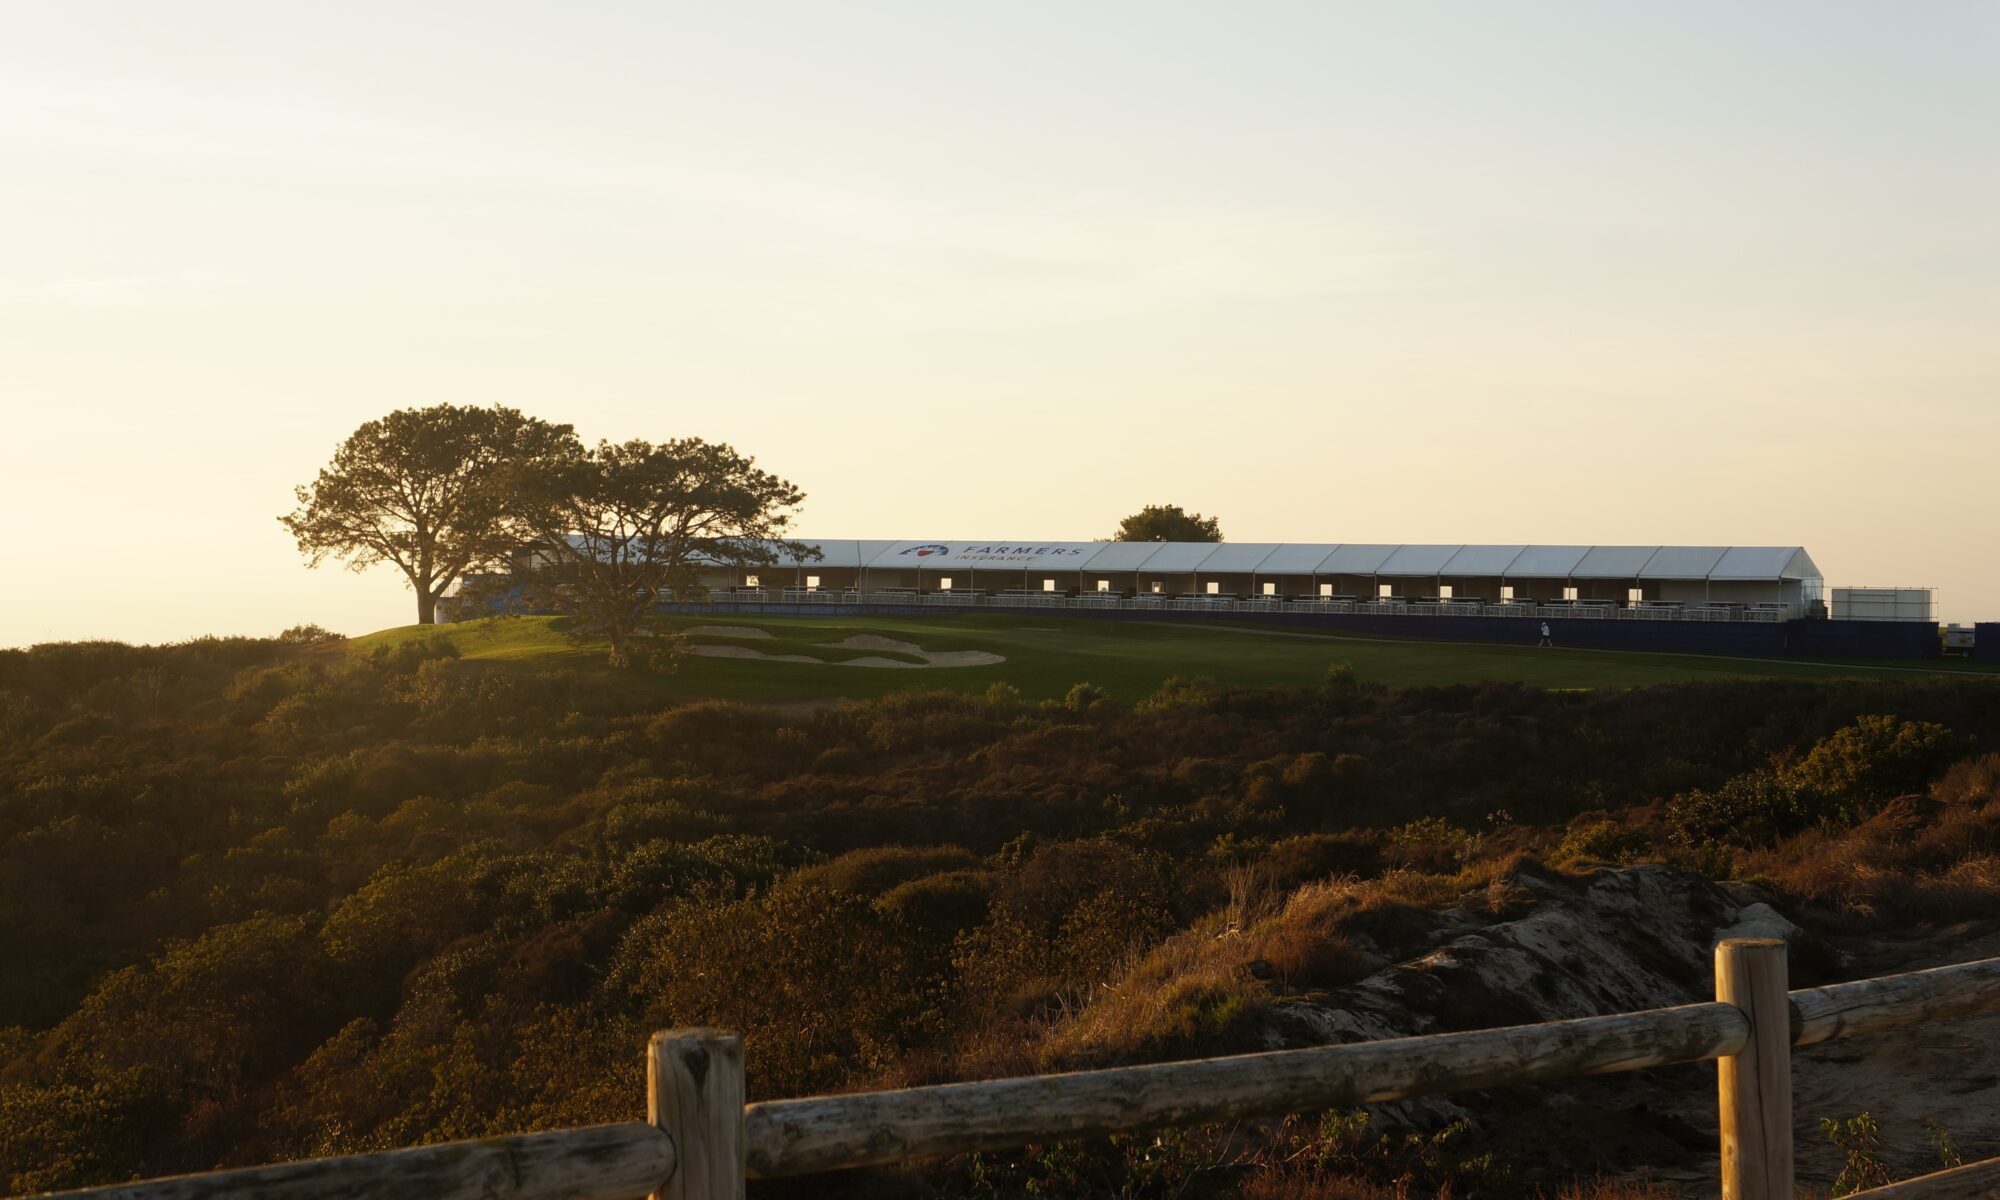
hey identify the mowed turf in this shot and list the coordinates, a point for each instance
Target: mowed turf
(1045, 655)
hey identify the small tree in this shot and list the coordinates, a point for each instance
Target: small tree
(1168, 523)
(615, 530)
(422, 488)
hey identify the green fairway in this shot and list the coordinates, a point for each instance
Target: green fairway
(1046, 654)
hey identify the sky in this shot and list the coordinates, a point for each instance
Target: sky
(1703, 273)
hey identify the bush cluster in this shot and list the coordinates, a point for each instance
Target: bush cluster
(271, 898)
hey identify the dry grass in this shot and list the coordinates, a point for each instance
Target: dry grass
(1317, 1185)
(1191, 993)
(1921, 858)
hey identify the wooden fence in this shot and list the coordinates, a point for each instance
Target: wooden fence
(700, 1141)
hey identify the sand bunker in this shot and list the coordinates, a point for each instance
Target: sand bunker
(859, 641)
(932, 658)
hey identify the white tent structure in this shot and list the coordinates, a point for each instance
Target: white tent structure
(1717, 580)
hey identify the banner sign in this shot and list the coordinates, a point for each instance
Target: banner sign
(1025, 555)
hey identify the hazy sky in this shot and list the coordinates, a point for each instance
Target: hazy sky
(1702, 273)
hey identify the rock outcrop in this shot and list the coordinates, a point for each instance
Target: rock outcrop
(1558, 947)
(1616, 941)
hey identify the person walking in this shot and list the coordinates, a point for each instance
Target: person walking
(1547, 640)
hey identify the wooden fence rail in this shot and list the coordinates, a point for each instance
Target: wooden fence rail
(1973, 1181)
(701, 1142)
(824, 1133)
(600, 1162)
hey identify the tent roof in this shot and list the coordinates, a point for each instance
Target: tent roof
(1176, 558)
(1765, 562)
(1471, 561)
(1355, 559)
(1122, 556)
(1238, 557)
(1546, 562)
(1415, 561)
(1614, 562)
(1737, 563)
(839, 555)
(1682, 562)
(1294, 558)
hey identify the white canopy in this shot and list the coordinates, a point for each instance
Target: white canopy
(1734, 563)
(1355, 559)
(1472, 562)
(1765, 562)
(1683, 562)
(1546, 562)
(1123, 556)
(1237, 558)
(1294, 558)
(1178, 558)
(1418, 562)
(1614, 562)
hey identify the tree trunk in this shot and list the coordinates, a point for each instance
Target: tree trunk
(427, 607)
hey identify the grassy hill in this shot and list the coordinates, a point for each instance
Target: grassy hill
(1044, 655)
(264, 899)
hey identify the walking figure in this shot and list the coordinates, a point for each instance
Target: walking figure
(1546, 639)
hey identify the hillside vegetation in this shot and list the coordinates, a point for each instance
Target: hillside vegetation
(274, 898)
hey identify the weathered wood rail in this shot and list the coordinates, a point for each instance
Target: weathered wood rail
(701, 1142)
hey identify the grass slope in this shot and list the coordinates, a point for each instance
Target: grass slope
(1046, 654)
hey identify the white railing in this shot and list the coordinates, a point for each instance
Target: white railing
(1427, 606)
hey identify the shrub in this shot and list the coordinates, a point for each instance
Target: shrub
(874, 871)
(1859, 1139)
(1971, 782)
(1063, 921)
(940, 905)
(1083, 697)
(1430, 844)
(1601, 842)
(1303, 944)
(1180, 691)
(1754, 809)
(713, 735)
(1295, 860)
(840, 760)
(1875, 758)
(309, 635)
(1002, 697)
(822, 987)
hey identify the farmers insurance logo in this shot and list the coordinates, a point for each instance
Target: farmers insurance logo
(1012, 555)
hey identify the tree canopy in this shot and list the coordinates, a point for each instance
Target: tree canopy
(423, 489)
(1168, 523)
(620, 528)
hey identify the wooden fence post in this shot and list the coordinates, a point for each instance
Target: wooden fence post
(1755, 1086)
(694, 1091)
